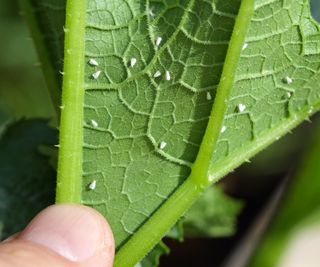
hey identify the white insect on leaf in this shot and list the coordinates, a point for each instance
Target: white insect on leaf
(93, 62)
(163, 144)
(242, 107)
(209, 97)
(223, 129)
(287, 80)
(94, 123)
(289, 94)
(158, 40)
(157, 74)
(96, 74)
(168, 76)
(151, 11)
(245, 45)
(133, 61)
(92, 185)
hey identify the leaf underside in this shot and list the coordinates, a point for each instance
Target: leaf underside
(277, 77)
(136, 111)
(149, 129)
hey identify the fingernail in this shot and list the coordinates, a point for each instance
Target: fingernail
(73, 231)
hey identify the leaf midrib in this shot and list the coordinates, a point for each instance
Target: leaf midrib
(69, 180)
(167, 215)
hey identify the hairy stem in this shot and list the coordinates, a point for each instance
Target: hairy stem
(201, 167)
(71, 132)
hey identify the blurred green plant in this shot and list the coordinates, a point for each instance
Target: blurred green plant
(298, 209)
(23, 92)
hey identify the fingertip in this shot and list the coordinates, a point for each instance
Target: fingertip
(76, 232)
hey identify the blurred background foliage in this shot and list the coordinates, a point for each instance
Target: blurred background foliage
(27, 179)
(23, 92)
(260, 185)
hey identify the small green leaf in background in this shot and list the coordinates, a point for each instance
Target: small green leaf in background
(213, 215)
(153, 257)
(27, 180)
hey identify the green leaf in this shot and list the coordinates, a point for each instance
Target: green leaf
(213, 215)
(277, 80)
(153, 258)
(133, 109)
(298, 207)
(139, 136)
(176, 232)
(26, 179)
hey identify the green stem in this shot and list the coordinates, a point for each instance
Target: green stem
(169, 213)
(234, 160)
(71, 132)
(201, 167)
(156, 227)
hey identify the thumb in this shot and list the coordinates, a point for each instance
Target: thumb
(61, 236)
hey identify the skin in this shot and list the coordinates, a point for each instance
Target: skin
(61, 236)
(78, 236)
(303, 249)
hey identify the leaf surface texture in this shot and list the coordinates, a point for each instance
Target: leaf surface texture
(149, 97)
(137, 112)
